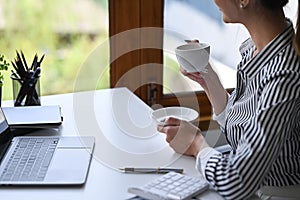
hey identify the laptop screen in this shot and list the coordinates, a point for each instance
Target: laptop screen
(5, 134)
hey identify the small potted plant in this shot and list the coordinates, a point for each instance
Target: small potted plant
(3, 66)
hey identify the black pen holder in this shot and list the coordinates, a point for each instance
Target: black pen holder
(30, 93)
(26, 82)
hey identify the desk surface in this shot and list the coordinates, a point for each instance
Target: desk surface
(125, 136)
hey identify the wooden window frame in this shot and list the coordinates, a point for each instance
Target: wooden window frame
(126, 15)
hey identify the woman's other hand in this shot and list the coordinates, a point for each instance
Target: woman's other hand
(183, 136)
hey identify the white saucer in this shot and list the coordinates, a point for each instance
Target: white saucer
(183, 113)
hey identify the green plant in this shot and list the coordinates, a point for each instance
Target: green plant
(3, 66)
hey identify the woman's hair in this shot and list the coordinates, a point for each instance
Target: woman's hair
(274, 4)
(297, 36)
(279, 4)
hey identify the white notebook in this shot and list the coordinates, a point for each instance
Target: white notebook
(33, 116)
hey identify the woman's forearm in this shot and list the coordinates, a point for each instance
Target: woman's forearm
(215, 91)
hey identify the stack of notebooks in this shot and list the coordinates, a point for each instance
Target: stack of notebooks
(33, 116)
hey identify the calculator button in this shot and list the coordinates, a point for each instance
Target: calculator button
(173, 196)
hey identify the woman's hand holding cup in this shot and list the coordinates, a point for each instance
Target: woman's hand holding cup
(198, 52)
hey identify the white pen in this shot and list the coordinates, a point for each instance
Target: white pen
(150, 170)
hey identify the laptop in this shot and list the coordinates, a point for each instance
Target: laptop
(43, 160)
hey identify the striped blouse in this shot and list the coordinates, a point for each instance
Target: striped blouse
(262, 123)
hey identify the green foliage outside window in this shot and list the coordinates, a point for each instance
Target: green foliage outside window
(66, 31)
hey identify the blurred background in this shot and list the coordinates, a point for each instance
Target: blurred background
(67, 31)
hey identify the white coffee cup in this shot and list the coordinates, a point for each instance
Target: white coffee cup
(193, 57)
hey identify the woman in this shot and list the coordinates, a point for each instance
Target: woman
(261, 117)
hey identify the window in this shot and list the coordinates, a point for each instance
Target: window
(66, 31)
(191, 19)
(147, 80)
(139, 52)
(141, 67)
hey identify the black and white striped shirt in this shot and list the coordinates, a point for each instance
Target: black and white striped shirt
(262, 123)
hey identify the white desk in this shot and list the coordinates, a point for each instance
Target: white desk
(125, 136)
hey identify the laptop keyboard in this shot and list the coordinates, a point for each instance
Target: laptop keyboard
(30, 160)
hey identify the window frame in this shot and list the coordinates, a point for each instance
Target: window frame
(126, 15)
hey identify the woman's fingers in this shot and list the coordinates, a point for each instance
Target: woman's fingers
(169, 130)
(182, 136)
(192, 41)
(172, 121)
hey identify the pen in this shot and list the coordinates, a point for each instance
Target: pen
(150, 170)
